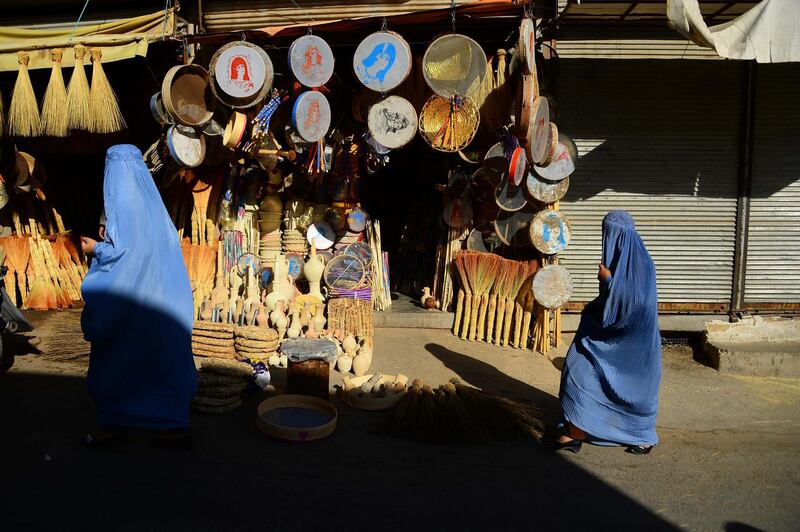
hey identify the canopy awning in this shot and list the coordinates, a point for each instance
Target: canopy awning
(769, 32)
(120, 39)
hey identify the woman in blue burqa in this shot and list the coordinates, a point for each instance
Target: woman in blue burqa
(609, 385)
(139, 313)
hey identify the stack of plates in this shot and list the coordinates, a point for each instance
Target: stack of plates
(294, 242)
(269, 246)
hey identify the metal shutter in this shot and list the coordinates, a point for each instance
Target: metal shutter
(660, 140)
(773, 249)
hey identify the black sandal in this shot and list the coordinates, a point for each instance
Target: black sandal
(180, 439)
(107, 437)
(639, 449)
(573, 446)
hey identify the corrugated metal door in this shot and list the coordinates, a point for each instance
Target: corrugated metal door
(660, 140)
(773, 250)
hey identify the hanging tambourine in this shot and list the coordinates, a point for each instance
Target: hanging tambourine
(186, 146)
(552, 146)
(215, 151)
(160, 114)
(527, 45)
(517, 166)
(320, 235)
(546, 191)
(457, 213)
(382, 61)
(538, 132)
(362, 251)
(449, 125)
(454, 65)
(552, 286)
(311, 61)
(357, 220)
(296, 264)
(562, 164)
(512, 227)
(344, 272)
(235, 131)
(508, 197)
(550, 232)
(526, 94)
(311, 116)
(185, 96)
(242, 74)
(247, 261)
(392, 122)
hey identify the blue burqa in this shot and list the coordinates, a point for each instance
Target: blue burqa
(139, 313)
(609, 386)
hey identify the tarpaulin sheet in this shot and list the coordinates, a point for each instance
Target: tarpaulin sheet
(768, 33)
(121, 39)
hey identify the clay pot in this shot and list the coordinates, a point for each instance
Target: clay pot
(261, 316)
(276, 313)
(284, 361)
(295, 329)
(344, 364)
(319, 318)
(312, 271)
(305, 317)
(274, 359)
(349, 345)
(361, 364)
(312, 331)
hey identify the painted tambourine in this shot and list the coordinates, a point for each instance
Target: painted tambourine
(382, 61)
(357, 220)
(321, 235)
(242, 74)
(311, 61)
(160, 114)
(527, 46)
(311, 116)
(454, 65)
(344, 272)
(550, 232)
(517, 166)
(508, 197)
(296, 264)
(562, 164)
(447, 127)
(186, 146)
(552, 147)
(538, 137)
(545, 190)
(552, 286)
(392, 122)
(526, 94)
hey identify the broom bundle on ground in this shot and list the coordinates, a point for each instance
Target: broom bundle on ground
(497, 292)
(523, 299)
(44, 295)
(17, 256)
(78, 93)
(105, 116)
(508, 273)
(458, 413)
(23, 114)
(55, 121)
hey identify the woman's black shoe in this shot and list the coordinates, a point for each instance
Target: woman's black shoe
(639, 449)
(180, 440)
(104, 439)
(572, 446)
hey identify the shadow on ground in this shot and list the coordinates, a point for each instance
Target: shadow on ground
(237, 478)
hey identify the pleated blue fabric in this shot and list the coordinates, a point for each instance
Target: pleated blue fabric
(139, 313)
(609, 385)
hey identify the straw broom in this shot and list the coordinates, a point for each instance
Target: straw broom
(55, 120)
(23, 114)
(65, 290)
(509, 271)
(523, 306)
(105, 116)
(43, 295)
(17, 254)
(519, 276)
(78, 94)
(501, 280)
(490, 265)
(462, 291)
(469, 271)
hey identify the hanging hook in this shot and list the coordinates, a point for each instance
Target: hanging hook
(310, 30)
(244, 37)
(384, 24)
(453, 14)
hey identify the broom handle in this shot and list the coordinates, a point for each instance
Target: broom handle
(459, 310)
(526, 328)
(473, 318)
(482, 317)
(557, 328)
(507, 322)
(517, 325)
(467, 314)
(490, 317)
(498, 325)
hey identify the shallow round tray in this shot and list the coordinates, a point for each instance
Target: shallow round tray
(370, 403)
(284, 432)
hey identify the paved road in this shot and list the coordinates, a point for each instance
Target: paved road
(729, 460)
